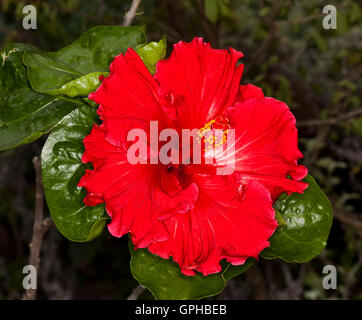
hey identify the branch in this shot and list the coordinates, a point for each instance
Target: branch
(350, 220)
(136, 293)
(128, 18)
(330, 121)
(40, 226)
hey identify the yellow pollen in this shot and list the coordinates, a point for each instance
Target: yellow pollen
(207, 135)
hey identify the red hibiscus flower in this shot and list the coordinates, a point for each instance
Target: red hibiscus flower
(187, 211)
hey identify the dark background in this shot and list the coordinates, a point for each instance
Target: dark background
(316, 72)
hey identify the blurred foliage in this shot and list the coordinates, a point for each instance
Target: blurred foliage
(287, 53)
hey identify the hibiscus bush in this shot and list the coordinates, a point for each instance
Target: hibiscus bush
(190, 230)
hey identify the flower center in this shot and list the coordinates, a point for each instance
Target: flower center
(214, 133)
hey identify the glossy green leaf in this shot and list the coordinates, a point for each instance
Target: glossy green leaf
(152, 52)
(92, 52)
(280, 219)
(62, 169)
(12, 71)
(81, 86)
(166, 282)
(47, 73)
(308, 219)
(233, 271)
(25, 115)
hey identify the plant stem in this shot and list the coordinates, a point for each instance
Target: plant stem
(40, 226)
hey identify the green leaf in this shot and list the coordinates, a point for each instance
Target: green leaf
(280, 219)
(62, 169)
(12, 71)
(92, 52)
(308, 219)
(152, 52)
(212, 10)
(24, 114)
(216, 9)
(233, 271)
(225, 9)
(46, 73)
(81, 86)
(166, 282)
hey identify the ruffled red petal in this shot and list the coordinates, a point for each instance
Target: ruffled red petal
(128, 97)
(220, 226)
(206, 79)
(266, 143)
(124, 188)
(135, 195)
(250, 91)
